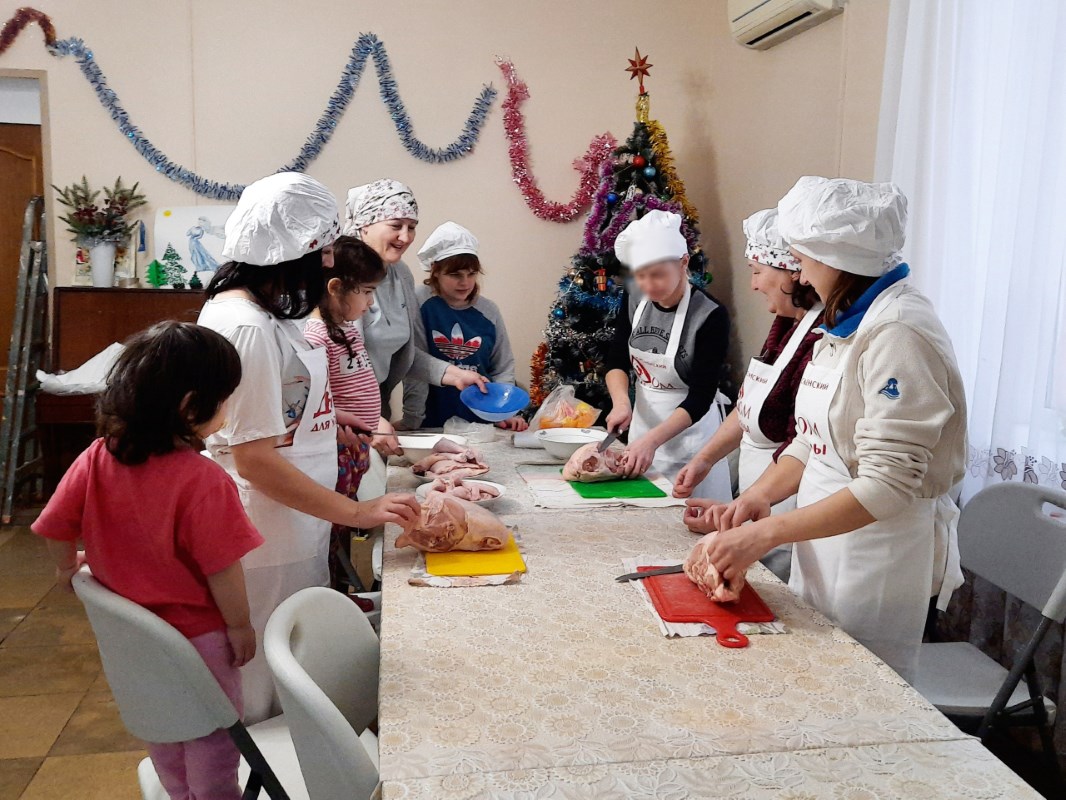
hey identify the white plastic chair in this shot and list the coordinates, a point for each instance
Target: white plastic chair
(1006, 538)
(166, 693)
(323, 655)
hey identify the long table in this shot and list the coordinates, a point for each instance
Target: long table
(564, 683)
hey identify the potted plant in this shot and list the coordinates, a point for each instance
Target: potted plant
(100, 228)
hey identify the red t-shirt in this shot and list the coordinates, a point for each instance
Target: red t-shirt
(154, 531)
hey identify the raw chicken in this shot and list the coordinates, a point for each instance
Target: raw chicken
(704, 574)
(448, 523)
(452, 460)
(474, 492)
(588, 466)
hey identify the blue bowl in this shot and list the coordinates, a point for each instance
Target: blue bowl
(502, 402)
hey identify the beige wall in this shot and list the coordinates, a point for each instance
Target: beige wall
(231, 90)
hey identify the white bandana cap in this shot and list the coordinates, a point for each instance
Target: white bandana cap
(653, 238)
(852, 226)
(376, 202)
(765, 244)
(447, 240)
(280, 218)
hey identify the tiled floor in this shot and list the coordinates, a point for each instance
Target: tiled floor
(60, 733)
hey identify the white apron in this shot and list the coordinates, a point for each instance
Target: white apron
(875, 581)
(756, 450)
(659, 392)
(295, 553)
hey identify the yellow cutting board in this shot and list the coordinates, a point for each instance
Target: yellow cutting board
(456, 563)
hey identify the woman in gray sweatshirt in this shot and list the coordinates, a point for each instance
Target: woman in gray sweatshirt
(384, 214)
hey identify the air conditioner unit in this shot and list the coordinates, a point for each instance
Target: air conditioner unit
(760, 24)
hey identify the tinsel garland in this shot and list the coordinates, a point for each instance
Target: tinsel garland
(22, 18)
(536, 383)
(664, 158)
(514, 128)
(366, 46)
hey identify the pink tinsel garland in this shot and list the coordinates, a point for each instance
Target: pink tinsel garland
(599, 150)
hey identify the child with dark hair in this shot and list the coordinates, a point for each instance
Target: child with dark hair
(162, 525)
(462, 327)
(350, 282)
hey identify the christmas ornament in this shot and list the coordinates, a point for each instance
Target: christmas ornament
(514, 127)
(612, 197)
(558, 313)
(367, 46)
(639, 161)
(649, 172)
(601, 280)
(638, 68)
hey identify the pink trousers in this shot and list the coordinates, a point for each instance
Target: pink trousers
(205, 768)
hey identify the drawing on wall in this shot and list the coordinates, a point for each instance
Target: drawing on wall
(192, 236)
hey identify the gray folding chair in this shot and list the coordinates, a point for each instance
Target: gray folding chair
(1005, 537)
(323, 655)
(166, 693)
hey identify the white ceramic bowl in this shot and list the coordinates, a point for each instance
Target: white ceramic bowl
(417, 446)
(564, 442)
(423, 490)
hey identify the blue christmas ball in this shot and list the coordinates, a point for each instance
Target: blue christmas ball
(612, 197)
(649, 172)
(610, 283)
(558, 313)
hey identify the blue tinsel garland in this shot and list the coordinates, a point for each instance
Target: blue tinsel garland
(366, 45)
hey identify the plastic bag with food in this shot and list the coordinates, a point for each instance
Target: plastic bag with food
(562, 409)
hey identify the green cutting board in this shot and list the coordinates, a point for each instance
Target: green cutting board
(620, 489)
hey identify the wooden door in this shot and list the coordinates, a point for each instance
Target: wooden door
(21, 177)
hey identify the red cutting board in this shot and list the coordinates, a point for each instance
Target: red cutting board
(677, 599)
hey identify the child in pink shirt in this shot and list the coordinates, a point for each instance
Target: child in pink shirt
(162, 525)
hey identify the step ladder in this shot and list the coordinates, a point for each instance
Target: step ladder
(21, 461)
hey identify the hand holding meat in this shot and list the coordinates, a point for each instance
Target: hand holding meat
(701, 570)
(587, 465)
(448, 523)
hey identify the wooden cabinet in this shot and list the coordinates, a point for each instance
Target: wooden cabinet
(85, 320)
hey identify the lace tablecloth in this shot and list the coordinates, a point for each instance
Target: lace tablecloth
(567, 669)
(944, 770)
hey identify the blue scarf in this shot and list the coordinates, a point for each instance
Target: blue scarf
(848, 321)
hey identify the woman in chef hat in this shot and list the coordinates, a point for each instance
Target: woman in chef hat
(462, 327)
(763, 424)
(279, 442)
(674, 338)
(384, 214)
(881, 434)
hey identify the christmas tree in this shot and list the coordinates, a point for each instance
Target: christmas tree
(155, 274)
(195, 282)
(173, 271)
(640, 177)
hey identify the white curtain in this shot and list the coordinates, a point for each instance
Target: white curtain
(973, 129)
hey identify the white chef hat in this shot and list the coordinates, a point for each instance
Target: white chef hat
(447, 240)
(765, 245)
(850, 225)
(280, 218)
(376, 202)
(653, 238)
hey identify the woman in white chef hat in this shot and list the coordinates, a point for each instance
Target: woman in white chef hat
(279, 442)
(881, 433)
(763, 423)
(384, 214)
(674, 337)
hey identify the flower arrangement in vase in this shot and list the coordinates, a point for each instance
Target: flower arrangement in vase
(100, 227)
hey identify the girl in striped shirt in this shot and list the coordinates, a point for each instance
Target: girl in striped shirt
(350, 282)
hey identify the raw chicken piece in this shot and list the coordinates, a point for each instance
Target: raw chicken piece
(464, 491)
(448, 523)
(704, 574)
(457, 463)
(588, 466)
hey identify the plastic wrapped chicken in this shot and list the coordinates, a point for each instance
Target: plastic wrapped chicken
(587, 465)
(448, 523)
